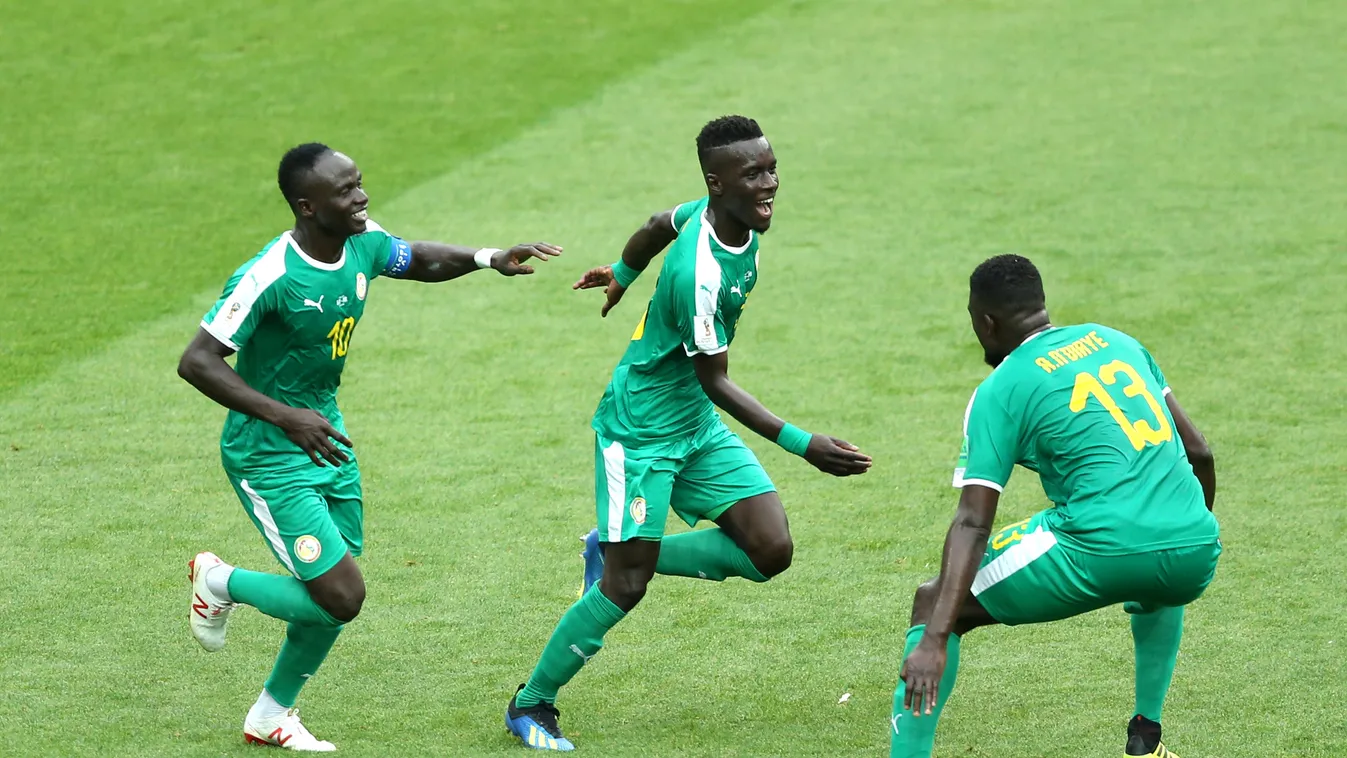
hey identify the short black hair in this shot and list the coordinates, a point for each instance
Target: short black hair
(1007, 284)
(297, 162)
(723, 131)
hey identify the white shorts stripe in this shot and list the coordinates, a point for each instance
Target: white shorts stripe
(615, 467)
(1029, 549)
(263, 513)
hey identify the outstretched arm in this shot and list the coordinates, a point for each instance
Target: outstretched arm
(438, 262)
(828, 454)
(1195, 445)
(646, 243)
(203, 366)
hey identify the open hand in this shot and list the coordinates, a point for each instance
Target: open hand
(602, 277)
(511, 262)
(837, 457)
(314, 434)
(921, 676)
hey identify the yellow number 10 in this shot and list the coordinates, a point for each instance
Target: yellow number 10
(1139, 433)
(341, 336)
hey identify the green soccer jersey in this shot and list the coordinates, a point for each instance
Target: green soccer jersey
(654, 394)
(1084, 407)
(290, 318)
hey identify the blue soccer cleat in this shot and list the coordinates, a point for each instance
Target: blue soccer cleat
(593, 560)
(536, 725)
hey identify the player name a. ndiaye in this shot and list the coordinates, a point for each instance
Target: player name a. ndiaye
(1055, 359)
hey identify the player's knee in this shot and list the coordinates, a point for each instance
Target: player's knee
(344, 603)
(624, 588)
(774, 556)
(923, 602)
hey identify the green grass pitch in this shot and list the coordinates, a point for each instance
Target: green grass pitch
(1176, 169)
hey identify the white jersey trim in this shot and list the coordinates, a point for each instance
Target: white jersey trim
(707, 295)
(234, 310)
(334, 266)
(727, 248)
(961, 482)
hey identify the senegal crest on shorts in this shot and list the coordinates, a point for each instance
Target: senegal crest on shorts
(308, 548)
(638, 510)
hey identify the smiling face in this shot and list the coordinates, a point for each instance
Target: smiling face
(743, 176)
(333, 197)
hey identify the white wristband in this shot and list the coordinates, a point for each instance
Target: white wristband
(483, 256)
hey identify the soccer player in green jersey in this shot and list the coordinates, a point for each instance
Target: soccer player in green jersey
(289, 313)
(1132, 482)
(659, 443)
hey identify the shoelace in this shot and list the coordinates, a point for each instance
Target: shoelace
(298, 727)
(550, 714)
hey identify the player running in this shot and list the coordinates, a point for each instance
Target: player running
(1089, 410)
(659, 442)
(289, 313)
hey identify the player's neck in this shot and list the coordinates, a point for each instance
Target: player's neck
(315, 244)
(728, 230)
(1033, 324)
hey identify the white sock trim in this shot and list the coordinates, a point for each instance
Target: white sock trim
(217, 581)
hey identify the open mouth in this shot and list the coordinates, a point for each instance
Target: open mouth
(361, 215)
(765, 207)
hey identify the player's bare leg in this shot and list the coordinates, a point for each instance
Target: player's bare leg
(759, 527)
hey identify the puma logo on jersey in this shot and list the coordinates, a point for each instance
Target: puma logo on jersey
(734, 290)
(311, 304)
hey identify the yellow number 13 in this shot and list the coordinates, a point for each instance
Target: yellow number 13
(1139, 433)
(341, 336)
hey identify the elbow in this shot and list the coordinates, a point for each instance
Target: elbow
(188, 367)
(1200, 455)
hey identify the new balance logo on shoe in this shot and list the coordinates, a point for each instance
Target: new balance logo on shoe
(279, 737)
(200, 606)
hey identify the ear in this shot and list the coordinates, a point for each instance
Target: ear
(304, 207)
(713, 185)
(988, 324)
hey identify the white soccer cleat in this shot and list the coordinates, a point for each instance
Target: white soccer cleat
(283, 731)
(208, 614)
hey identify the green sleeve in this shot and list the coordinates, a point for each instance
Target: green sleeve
(685, 212)
(990, 442)
(1155, 371)
(249, 295)
(381, 253)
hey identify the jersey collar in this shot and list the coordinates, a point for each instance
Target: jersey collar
(732, 250)
(334, 266)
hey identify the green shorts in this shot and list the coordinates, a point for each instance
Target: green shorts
(700, 477)
(309, 517)
(1028, 577)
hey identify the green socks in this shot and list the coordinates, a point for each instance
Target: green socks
(914, 736)
(705, 554)
(282, 597)
(1155, 637)
(303, 652)
(577, 638)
